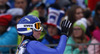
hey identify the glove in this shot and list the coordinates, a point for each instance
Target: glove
(65, 25)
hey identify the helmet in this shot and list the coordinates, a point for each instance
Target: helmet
(27, 24)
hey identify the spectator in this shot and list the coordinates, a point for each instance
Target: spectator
(53, 24)
(21, 4)
(96, 39)
(4, 6)
(39, 11)
(74, 13)
(78, 37)
(91, 25)
(8, 36)
(97, 15)
(33, 4)
(17, 14)
(96, 32)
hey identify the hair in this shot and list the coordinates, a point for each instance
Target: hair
(87, 14)
(71, 15)
(97, 8)
(24, 0)
(97, 17)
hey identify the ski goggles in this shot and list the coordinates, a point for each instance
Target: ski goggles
(35, 26)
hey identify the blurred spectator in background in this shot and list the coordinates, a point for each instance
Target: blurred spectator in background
(39, 11)
(17, 14)
(96, 32)
(78, 37)
(33, 4)
(21, 4)
(8, 34)
(97, 15)
(95, 39)
(4, 6)
(53, 26)
(74, 13)
(56, 5)
(91, 25)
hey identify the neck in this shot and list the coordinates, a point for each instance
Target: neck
(30, 37)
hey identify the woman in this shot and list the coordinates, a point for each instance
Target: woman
(78, 37)
(74, 13)
(30, 29)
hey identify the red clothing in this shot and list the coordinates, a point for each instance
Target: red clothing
(92, 4)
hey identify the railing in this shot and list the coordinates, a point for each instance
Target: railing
(50, 45)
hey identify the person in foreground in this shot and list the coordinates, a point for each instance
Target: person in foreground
(29, 27)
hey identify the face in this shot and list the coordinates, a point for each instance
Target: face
(52, 30)
(21, 4)
(41, 12)
(78, 14)
(2, 29)
(36, 34)
(77, 31)
(3, 2)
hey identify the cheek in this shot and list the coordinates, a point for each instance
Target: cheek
(78, 16)
(37, 34)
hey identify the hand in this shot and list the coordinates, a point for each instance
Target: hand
(82, 47)
(65, 25)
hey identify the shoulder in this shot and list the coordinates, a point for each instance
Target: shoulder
(34, 43)
(12, 29)
(70, 40)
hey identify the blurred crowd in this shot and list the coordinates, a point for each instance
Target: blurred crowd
(84, 15)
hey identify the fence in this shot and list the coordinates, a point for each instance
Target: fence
(50, 45)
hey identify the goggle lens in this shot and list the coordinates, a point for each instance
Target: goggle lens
(37, 25)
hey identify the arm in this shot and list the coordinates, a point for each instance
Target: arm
(40, 48)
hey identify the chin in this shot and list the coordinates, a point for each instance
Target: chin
(38, 37)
